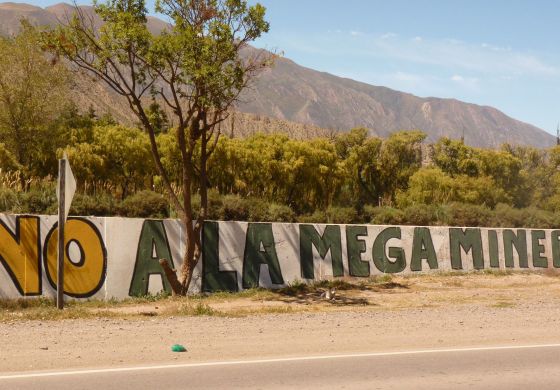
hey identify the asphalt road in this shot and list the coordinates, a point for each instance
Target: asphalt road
(509, 367)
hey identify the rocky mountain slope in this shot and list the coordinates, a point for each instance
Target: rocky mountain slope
(298, 99)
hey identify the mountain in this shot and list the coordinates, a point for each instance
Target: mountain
(290, 91)
(302, 99)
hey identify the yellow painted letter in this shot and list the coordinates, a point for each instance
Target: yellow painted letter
(84, 274)
(19, 253)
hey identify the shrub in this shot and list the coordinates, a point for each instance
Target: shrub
(233, 208)
(420, 215)
(258, 209)
(342, 215)
(280, 213)
(40, 199)
(8, 200)
(99, 205)
(536, 218)
(387, 216)
(507, 216)
(144, 204)
(469, 215)
(319, 216)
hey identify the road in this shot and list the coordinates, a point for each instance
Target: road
(500, 367)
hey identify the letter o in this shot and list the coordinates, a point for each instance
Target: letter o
(82, 278)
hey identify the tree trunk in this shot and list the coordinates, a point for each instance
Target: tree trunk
(171, 276)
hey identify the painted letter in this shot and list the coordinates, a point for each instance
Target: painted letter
(212, 278)
(152, 246)
(423, 248)
(259, 235)
(555, 238)
(330, 241)
(493, 248)
(520, 243)
(355, 248)
(380, 259)
(538, 249)
(20, 254)
(85, 276)
(468, 239)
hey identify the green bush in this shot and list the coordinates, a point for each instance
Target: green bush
(40, 199)
(319, 216)
(8, 200)
(144, 204)
(343, 215)
(233, 208)
(387, 216)
(470, 215)
(99, 205)
(420, 215)
(280, 213)
(542, 219)
(507, 216)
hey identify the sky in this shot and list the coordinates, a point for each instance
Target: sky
(504, 54)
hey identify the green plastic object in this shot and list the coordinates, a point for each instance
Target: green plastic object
(178, 348)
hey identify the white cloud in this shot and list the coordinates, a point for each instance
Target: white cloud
(471, 83)
(455, 54)
(403, 76)
(388, 35)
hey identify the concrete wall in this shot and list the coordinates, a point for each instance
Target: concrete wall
(118, 257)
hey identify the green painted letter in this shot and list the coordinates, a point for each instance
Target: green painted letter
(259, 235)
(422, 248)
(308, 237)
(355, 248)
(538, 249)
(468, 239)
(555, 238)
(380, 258)
(520, 243)
(212, 278)
(152, 246)
(493, 247)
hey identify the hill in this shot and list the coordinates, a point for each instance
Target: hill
(302, 99)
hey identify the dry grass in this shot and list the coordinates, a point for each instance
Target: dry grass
(492, 289)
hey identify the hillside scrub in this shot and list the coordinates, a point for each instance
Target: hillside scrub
(351, 178)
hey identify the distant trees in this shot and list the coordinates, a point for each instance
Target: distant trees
(33, 94)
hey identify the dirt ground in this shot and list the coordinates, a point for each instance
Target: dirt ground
(395, 314)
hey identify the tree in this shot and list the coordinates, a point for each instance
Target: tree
(33, 92)
(197, 68)
(400, 157)
(360, 154)
(118, 155)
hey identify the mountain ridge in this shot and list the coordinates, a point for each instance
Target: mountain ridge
(289, 92)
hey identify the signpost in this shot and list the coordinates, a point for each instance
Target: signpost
(64, 192)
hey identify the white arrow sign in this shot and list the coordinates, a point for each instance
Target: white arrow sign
(69, 186)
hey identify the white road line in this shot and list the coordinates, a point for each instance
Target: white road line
(263, 361)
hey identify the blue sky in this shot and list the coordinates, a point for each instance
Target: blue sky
(504, 54)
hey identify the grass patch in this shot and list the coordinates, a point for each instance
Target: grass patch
(198, 309)
(503, 305)
(497, 272)
(380, 279)
(253, 293)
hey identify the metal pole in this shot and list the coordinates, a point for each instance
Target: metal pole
(60, 268)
